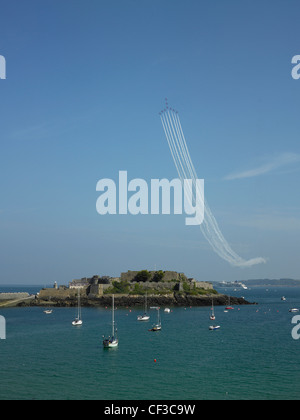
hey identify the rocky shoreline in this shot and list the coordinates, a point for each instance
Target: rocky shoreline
(139, 301)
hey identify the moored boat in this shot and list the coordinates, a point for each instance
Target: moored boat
(112, 341)
(145, 316)
(212, 316)
(78, 321)
(157, 326)
(229, 308)
(48, 311)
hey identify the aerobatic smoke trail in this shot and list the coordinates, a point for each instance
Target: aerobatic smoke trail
(185, 168)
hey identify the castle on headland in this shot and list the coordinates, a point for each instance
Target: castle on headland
(170, 281)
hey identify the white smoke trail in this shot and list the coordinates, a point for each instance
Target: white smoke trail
(185, 168)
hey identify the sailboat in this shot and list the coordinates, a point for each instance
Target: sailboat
(229, 308)
(144, 317)
(112, 341)
(157, 326)
(212, 317)
(78, 321)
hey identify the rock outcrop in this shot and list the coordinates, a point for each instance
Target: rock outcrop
(175, 299)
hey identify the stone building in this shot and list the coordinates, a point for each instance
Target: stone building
(79, 284)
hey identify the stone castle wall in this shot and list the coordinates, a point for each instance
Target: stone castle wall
(59, 293)
(204, 285)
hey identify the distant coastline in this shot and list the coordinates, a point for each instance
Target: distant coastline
(273, 282)
(284, 282)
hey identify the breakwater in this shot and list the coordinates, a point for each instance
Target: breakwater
(13, 296)
(14, 299)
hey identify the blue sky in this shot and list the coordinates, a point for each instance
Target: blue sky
(85, 82)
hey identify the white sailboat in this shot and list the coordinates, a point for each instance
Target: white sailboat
(212, 316)
(157, 326)
(113, 340)
(78, 321)
(144, 317)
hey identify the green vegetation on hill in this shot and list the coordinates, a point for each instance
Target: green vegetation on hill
(142, 276)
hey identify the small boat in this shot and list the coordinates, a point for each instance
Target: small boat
(294, 310)
(78, 321)
(283, 298)
(212, 316)
(144, 317)
(167, 310)
(214, 327)
(157, 326)
(48, 311)
(229, 308)
(112, 341)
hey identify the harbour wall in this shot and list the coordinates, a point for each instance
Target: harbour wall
(13, 296)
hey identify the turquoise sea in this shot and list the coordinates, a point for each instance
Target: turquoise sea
(252, 356)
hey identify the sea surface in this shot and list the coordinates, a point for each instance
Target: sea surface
(252, 355)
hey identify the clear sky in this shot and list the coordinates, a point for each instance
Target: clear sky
(85, 82)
